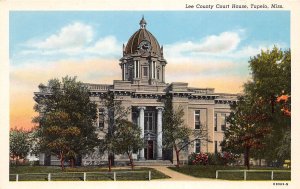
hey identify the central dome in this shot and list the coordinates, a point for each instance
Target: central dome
(142, 39)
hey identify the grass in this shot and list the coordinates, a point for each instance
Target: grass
(40, 173)
(209, 171)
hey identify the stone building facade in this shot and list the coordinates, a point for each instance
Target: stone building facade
(143, 89)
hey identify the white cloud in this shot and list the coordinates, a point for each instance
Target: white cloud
(225, 46)
(213, 44)
(107, 45)
(74, 40)
(71, 36)
(225, 42)
(250, 50)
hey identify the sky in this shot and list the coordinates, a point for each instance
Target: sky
(204, 48)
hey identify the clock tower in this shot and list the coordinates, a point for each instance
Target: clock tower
(143, 62)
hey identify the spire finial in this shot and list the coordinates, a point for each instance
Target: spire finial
(143, 23)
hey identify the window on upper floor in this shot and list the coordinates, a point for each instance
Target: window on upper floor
(216, 122)
(136, 64)
(145, 71)
(134, 118)
(149, 121)
(223, 121)
(197, 119)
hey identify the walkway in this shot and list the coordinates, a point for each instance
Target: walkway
(176, 175)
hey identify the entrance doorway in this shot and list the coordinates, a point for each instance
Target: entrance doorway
(149, 150)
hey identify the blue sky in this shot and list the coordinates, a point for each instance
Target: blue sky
(203, 48)
(168, 26)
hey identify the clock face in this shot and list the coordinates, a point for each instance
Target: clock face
(145, 46)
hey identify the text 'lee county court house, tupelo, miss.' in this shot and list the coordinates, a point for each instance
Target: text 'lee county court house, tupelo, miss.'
(143, 89)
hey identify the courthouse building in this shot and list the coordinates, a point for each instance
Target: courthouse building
(143, 87)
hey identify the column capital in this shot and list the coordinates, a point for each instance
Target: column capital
(160, 108)
(141, 107)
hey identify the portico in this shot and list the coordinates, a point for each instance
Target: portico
(149, 119)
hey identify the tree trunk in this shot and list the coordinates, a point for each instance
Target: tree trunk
(109, 163)
(177, 155)
(273, 103)
(62, 161)
(246, 157)
(131, 160)
(72, 162)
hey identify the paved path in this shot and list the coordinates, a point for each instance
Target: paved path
(176, 175)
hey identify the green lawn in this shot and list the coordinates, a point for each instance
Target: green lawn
(209, 171)
(27, 173)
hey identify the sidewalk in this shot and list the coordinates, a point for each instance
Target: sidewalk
(176, 176)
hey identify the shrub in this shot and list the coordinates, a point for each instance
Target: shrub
(198, 159)
(227, 157)
(214, 159)
(223, 158)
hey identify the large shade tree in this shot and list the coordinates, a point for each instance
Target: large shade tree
(264, 107)
(66, 119)
(248, 128)
(177, 135)
(114, 114)
(271, 84)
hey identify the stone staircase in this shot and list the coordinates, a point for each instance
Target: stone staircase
(153, 163)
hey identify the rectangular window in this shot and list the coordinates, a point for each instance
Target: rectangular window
(216, 122)
(197, 119)
(223, 122)
(149, 121)
(197, 146)
(136, 69)
(157, 74)
(145, 71)
(101, 118)
(216, 146)
(186, 147)
(134, 118)
(126, 71)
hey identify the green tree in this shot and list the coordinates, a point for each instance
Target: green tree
(114, 113)
(128, 139)
(177, 135)
(271, 84)
(19, 144)
(66, 120)
(248, 127)
(261, 119)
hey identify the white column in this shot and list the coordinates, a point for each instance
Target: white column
(123, 72)
(139, 69)
(134, 66)
(163, 73)
(159, 132)
(153, 70)
(150, 71)
(141, 125)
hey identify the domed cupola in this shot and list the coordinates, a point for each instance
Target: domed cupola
(143, 62)
(143, 42)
